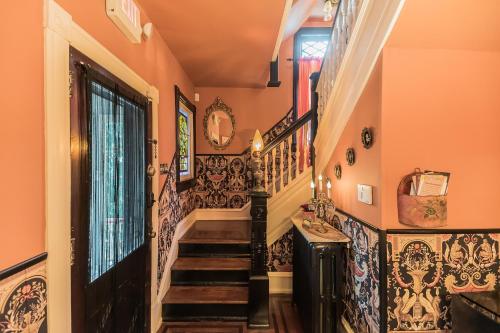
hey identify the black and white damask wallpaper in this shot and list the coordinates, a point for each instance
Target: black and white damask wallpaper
(362, 277)
(424, 270)
(173, 207)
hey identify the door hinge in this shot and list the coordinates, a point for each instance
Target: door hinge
(70, 84)
(72, 251)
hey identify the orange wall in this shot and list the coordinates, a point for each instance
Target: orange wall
(21, 133)
(151, 59)
(366, 170)
(441, 112)
(252, 107)
(22, 230)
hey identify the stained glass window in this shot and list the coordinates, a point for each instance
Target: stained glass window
(314, 48)
(184, 142)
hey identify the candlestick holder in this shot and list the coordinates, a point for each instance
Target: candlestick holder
(324, 210)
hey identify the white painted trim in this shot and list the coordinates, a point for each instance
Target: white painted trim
(61, 32)
(281, 31)
(282, 206)
(373, 26)
(181, 228)
(280, 282)
(242, 213)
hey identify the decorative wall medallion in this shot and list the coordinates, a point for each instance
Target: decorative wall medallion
(367, 137)
(219, 124)
(338, 171)
(350, 156)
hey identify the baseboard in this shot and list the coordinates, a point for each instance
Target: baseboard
(280, 282)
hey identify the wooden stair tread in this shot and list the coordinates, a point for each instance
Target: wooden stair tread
(209, 264)
(206, 295)
(218, 232)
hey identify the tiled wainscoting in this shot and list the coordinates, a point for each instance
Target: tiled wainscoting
(23, 297)
(402, 280)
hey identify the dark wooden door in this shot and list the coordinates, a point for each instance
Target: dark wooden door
(111, 202)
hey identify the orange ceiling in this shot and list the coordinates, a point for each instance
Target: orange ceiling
(448, 24)
(220, 43)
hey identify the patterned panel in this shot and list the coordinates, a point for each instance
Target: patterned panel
(23, 301)
(222, 181)
(424, 270)
(280, 254)
(279, 128)
(173, 207)
(361, 290)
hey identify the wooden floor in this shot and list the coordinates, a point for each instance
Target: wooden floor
(283, 318)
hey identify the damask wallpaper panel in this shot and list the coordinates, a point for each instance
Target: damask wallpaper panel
(280, 254)
(23, 301)
(424, 270)
(222, 181)
(362, 276)
(173, 207)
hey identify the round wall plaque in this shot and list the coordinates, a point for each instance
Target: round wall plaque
(350, 156)
(367, 137)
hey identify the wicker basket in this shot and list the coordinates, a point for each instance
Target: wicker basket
(420, 211)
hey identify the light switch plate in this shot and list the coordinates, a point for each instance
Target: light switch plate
(365, 194)
(196, 97)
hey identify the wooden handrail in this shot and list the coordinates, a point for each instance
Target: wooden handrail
(286, 133)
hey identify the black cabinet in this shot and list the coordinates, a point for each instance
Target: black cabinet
(317, 283)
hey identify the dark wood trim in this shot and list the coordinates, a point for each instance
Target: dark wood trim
(185, 184)
(274, 81)
(22, 266)
(366, 224)
(297, 39)
(286, 133)
(382, 252)
(442, 231)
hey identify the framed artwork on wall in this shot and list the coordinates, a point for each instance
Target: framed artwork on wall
(185, 137)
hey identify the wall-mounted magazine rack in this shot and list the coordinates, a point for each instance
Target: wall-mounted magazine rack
(424, 211)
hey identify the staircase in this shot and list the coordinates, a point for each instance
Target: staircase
(211, 274)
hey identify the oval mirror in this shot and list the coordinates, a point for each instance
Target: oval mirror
(219, 124)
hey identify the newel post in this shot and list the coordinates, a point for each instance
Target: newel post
(258, 291)
(314, 120)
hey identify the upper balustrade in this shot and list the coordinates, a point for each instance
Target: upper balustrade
(343, 25)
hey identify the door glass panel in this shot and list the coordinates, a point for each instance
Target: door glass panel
(117, 179)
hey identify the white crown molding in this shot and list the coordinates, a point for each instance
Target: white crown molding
(373, 26)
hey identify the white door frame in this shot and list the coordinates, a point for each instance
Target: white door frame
(61, 32)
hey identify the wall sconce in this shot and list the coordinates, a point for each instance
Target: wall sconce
(147, 30)
(257, 146)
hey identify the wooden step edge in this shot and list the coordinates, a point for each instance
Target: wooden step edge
(206, 295)
(211, 264)
(214, 241)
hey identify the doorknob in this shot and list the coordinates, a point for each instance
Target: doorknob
(151, 233)
(151, 171)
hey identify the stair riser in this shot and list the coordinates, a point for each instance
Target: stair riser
(197, 312)
(186, 277)
(214, 250)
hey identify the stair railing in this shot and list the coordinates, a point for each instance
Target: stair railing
(344, 22)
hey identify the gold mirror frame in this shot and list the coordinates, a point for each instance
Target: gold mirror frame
(218, 105)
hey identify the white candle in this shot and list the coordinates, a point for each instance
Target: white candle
(329, 188)
(320, 178)
(312, 188)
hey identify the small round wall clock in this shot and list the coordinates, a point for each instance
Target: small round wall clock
(367, 137)
(338, 171)
(350, 156)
